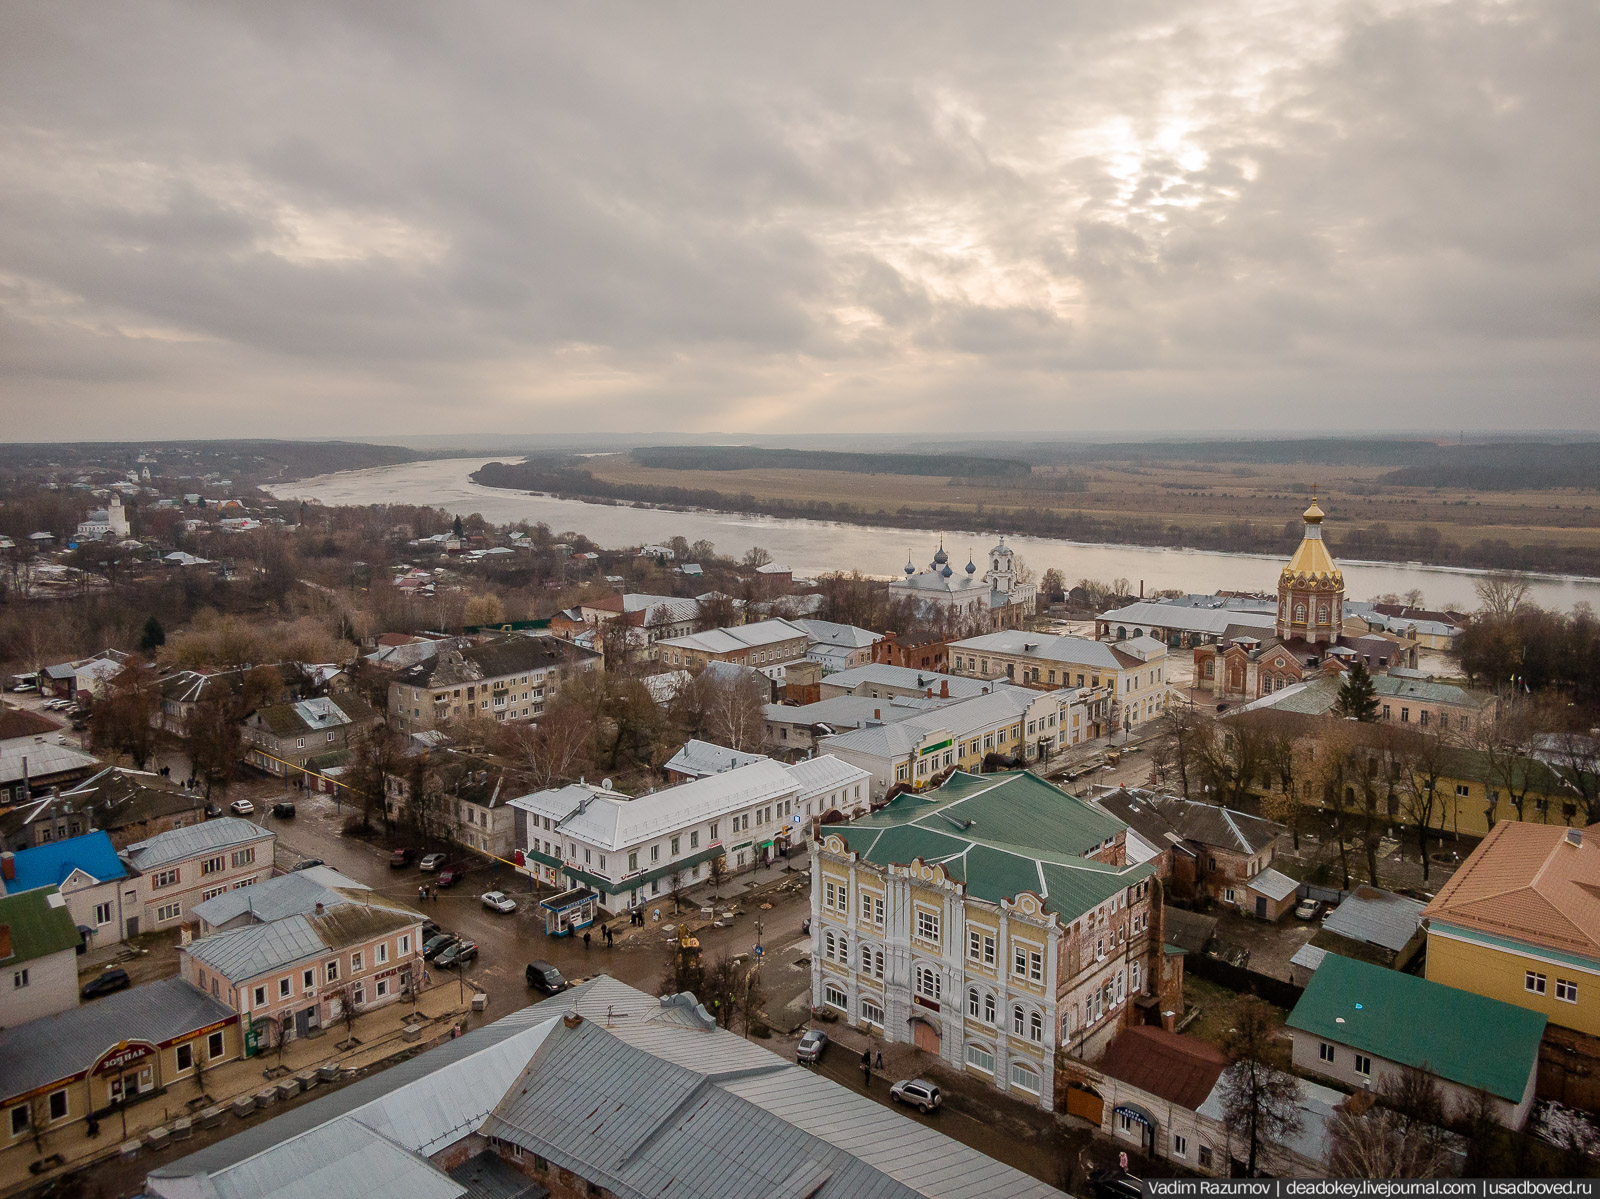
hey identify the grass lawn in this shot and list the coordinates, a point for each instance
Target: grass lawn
(1213, 1001)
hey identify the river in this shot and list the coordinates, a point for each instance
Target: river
(811, 547)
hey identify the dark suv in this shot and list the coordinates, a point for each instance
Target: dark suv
(543, 976)
(401, 858)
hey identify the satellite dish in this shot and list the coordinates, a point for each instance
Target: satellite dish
(605, 784)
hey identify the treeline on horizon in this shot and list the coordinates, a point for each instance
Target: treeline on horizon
(1377, 542)
(249, 458)
(750, 457)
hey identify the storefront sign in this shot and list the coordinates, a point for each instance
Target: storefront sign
(121, 1056)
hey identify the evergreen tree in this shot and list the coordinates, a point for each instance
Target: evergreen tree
(1358, 700)
(153, 637)
(455, 528)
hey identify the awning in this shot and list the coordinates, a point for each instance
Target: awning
(1135, 1114)
(639, 880)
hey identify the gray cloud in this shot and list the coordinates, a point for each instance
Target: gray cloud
(365, 219)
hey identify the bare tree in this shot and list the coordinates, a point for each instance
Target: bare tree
(737, 712)
(1501, 594)
(1373, 1141)
(755, 557)
(1424, 760)
(1574, 752)
(1260, 1098)
(1507, 743)
(560, 746)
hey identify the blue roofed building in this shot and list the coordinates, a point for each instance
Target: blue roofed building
(89, 874)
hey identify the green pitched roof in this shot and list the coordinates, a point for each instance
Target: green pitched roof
(1000, 834)
(1469, 1039)
(37, 925)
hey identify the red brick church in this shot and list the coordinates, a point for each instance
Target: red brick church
(1308, 637)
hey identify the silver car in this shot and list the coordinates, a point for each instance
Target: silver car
(811, 1046)
(918, 1092)
(499, 901)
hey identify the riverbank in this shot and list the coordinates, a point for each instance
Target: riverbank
(813, 547)
(1376, 542)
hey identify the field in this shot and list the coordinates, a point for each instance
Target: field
(1219, 504)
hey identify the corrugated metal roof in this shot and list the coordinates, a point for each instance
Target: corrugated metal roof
(243, 953)
(52, 864)
(907, 679)
(1377, 917)
(706, 757)
(488, 1176)
(341, 1160)
(44, 758)
(1074, 651)
(292, 894)
(59, 1046)
(180, 844)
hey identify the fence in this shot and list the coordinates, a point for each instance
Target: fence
(1239, 978)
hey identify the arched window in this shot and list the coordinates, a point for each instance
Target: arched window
(972, 1003)
(866, 959)
(827, 945)
(1299, 611)
(927, 982)
(1019, 1020)
(988, 1008)
(1024, 1077)
(1036, 1027)
(1322, 612)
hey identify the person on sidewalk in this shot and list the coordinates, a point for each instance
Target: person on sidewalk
(586, 940)
(866, 1068)
(879, 1062)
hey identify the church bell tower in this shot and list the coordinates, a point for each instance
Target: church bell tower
(1311, 588)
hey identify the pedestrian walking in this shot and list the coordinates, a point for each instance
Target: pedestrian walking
(586, 940)
(879, 1062)
(422, 895)
(866, 1067)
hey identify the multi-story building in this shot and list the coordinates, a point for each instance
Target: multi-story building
(1016, 724)
(837, 647)
(1420, 704)
(38, 956)
(508, 678)
(298, 973)
(175, 871)
(309, 733)
(916, 651)
(884, 681)
(632, 850)
(1518, 922)
(470, 798)
(1134, 670)
(490, 1114)
(766, 645)
(992, 922)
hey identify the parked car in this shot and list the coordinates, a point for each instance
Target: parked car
(399, 858)
(918, 1092)
(1308, 909)
(448, 877)
(461, 952)
(307, 863)
(213, 810)
(432, 861)
(812, 1045)
(1109, 1182)
(435, 945)
(499, 901)
(242, 807)
(283, 809)
(543, 976)
(111, 980)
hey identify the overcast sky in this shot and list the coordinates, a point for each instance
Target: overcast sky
(286, 219)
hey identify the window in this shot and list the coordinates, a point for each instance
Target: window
(243, 857)
(975, 945)
(168, 911)
(835, 998)
(333, 971)
(928, 982)
(927, 925)
(19, 979)
(1019, 1020)
(383, 987)
(714, 830)
(1024, 1077)
(871, 908)
(694, 839)
(1133, 978)
(58, 1105)
(1035, 966)
(213, 892)
(1533, 983)
(1363, 1065)
(1325, 1052)
(214, 865)
(655, 853)
(185, 1057)
(988, 1009)
(380, 954)
(980, 1058)
(1566, 990)
(259, 998)
(1036, 1028)
(214, 1046)
(308, 980)
(1205, 1157)
(284, 988)
(19, 1120)
(1019, 961)
(1461, 790)
(163, 878)
(355, 963)
(674, 849)
(102, 913)
(405, 938)
(973, 1002)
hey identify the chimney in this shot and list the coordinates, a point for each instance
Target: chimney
(572, 1019)
(877, 714)
(1574, 837)
(319, 907)
(8, 866)
(944, 689)
(1141, 588)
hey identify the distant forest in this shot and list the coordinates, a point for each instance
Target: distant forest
(1378, 541)
(750, 457)
(246, 461)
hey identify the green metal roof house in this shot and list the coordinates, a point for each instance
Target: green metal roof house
(1359, 1024)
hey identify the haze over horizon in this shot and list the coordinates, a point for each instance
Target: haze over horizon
(392, 222)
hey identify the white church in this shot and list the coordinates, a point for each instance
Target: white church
(109, 521)
(996, 600)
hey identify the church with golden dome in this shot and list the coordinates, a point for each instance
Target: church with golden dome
(1308, 636)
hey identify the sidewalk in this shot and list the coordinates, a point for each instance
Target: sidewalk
(740, 891)
(380, 1036)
